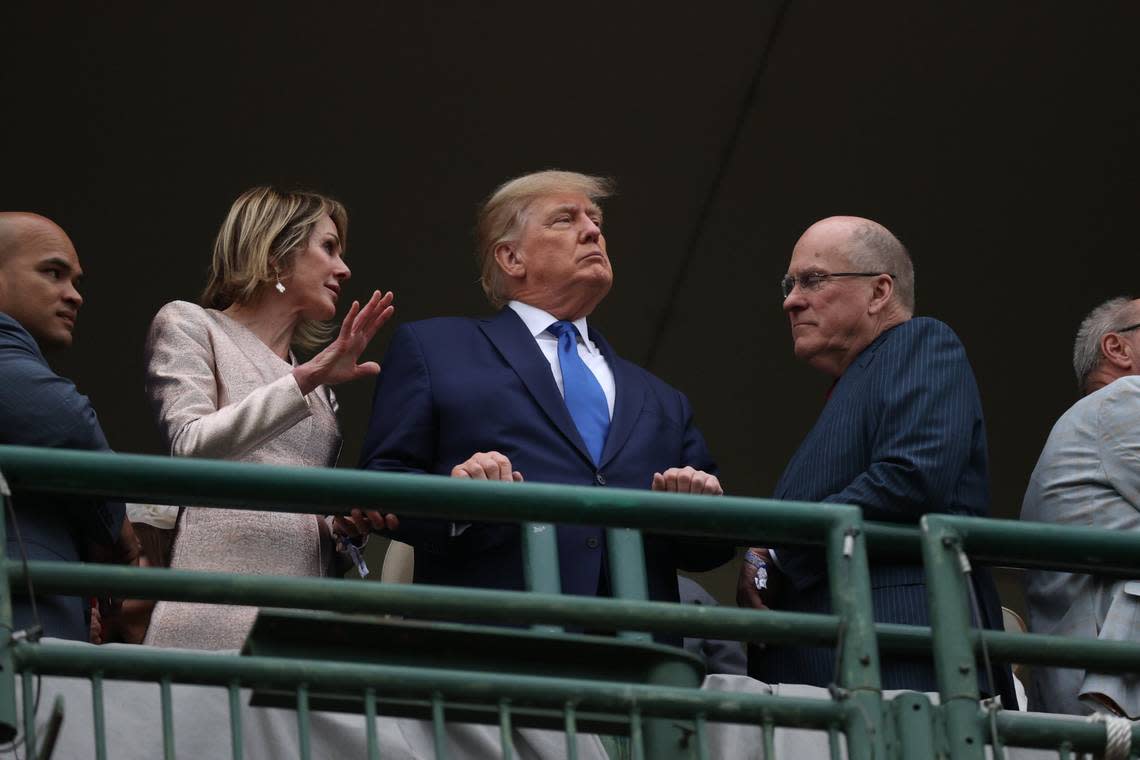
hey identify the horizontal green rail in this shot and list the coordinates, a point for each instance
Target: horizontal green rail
(422, 601)
(235, 485)
(1022, 730)
(391, 681)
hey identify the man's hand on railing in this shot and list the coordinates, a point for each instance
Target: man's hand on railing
(687, 480)
(487, 465)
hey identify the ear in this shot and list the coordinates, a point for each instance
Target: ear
(1117, 352)
(510, 260)
(881, 293)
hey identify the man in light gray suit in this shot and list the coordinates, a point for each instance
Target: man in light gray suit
(1088, 476)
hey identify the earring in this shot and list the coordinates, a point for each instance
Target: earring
(279, 286)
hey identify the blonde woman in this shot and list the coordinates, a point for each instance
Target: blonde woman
(224, 383)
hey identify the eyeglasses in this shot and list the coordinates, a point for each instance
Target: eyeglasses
(814, 280)
(1126, 329)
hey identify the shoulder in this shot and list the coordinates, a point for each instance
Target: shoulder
(181, 312)
(923, 330)
(1121, 396)
(437, 331)
(14, 336)
(920, 342)
(181, 318)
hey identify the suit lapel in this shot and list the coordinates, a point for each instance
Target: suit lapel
(630, 398)
(517, 346)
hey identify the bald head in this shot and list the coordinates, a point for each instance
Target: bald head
(39, 273)
(849, 281)
(868, 246)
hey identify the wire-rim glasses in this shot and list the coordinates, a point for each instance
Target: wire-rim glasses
(815, 280)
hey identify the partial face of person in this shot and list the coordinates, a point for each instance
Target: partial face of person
(318, 270)
(39, 281)
(828, 317)
(563, 247)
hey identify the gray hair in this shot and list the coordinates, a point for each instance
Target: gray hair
(875, 249)
(1100, 322)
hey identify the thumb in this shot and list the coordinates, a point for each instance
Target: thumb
(367, 369)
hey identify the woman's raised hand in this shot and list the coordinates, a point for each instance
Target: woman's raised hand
(337, 363)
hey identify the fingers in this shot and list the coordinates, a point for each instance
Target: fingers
(354, 525)
(346, 325)
(376, 312)
(489, 465)
(686, 480)
(382, 522)
(516, 476)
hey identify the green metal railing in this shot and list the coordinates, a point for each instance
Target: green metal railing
(907, 726)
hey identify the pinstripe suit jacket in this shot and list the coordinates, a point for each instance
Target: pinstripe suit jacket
(901, 435)
(40, 408)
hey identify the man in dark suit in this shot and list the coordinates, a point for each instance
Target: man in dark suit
(901, 434)
(39, 302)
(535, 393)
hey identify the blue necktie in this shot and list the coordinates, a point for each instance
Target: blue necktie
(583, 393)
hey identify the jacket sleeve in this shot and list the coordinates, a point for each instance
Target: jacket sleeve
(929, 420)
(182, 384)
(403, 431)
(40, 408)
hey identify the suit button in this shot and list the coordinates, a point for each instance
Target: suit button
(592, 542)
(600, 479)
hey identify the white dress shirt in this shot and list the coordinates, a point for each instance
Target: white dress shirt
(538, 320)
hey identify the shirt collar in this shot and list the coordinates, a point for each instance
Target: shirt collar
(537, 320)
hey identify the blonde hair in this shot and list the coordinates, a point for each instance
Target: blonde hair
(261, 234)
(502, 215)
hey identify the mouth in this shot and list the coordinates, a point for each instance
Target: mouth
(335, 290)
(68, 318)
(593, 255)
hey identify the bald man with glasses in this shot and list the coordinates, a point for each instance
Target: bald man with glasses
(900, 435)
(1088, 476)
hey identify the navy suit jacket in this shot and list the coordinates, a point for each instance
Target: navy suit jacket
(453, 386)
(901, 434)
(40, 408)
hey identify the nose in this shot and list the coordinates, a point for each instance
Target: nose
(72, 296)
(342, 271)
(590, 231)
(795, 300)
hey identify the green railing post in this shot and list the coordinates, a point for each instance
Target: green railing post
(850, 579)
(8, 718)
(914, 727)
(954, 663)
(625, 552)
(540, 563)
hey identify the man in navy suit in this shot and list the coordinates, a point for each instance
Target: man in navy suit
(536, 393)
(39, 303)
(901, 434)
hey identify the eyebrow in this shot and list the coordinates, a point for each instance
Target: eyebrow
(591, 209)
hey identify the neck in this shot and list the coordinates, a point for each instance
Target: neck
(1102, 376)
(270, 320)
(564, 308)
